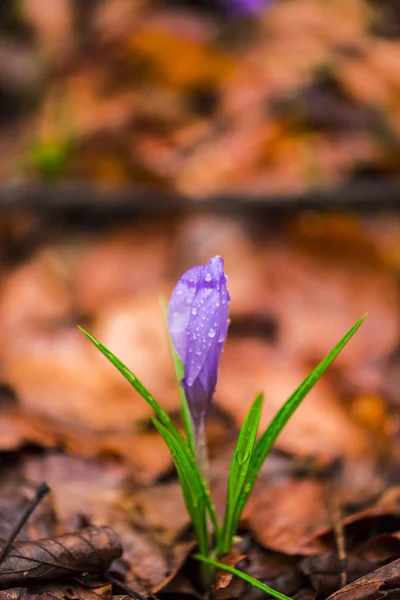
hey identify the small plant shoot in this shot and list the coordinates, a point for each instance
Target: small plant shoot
(197, 316)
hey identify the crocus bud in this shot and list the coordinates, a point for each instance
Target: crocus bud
(246, 7)
(198, 324)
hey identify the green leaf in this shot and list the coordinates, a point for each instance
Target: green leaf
(166, 422)
(180, 372)
(50, 159)
(239, 469)
(267, 440)
(185, 412)
(244, 576)
(191, 484)
(139, 387)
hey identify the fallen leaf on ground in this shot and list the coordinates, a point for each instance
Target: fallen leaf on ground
(384, 583)
(284, 517)
(318, 290)
(320, 427)
(101, 493)
(226, 585)
(16, 495)
(70, 590)
(92, 549)
(121, 264)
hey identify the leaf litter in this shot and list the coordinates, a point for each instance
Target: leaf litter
(331, 477)
(308, 100)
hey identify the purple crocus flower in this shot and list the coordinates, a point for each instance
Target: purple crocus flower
(249, 7)
(198, 324)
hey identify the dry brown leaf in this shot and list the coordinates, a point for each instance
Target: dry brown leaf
(194, 63)
(71, 590)
(225, 585)
(59, 376)
(101, 493)
(33, 293)
(319, 292)
(382, 583)
(52, 21)
(224, 156)
(16, 495)
(134, 330)
(90, 550)
(284, 517)
(125, 263)
(320, 427)
(155, 506)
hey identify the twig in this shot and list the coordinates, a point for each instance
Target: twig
(339, 533)
(41, 492)
(124, 587)
(365, 194)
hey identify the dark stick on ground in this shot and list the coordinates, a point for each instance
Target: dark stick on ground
(41, 492)
(364, 194)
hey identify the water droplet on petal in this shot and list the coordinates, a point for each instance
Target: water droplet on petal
(198, 351)
(208, 276)
(211, 332)
(194, 310)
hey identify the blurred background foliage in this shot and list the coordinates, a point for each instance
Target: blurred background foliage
(200, 97)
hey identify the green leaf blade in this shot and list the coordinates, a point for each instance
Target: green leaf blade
(166, 422)
(191, 486)
(185, 412)
(267, 440)
(239, 469)
(244, 576)
(136, 383)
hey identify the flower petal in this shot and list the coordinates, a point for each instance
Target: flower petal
(198, 322)
(180, 306)
(208, 324)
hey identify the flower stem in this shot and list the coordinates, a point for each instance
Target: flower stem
(202, 451)
(207, 573)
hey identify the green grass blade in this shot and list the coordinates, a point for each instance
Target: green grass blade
(191, 485)
(179, 372)
(164, 419)
(162, 416)
(267, 440)
(244, 576)
(239, 470)
(201, 488)
(134, 381)
(185, 412)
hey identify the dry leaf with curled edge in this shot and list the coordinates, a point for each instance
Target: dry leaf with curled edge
(382, 584)
(89, 550)
(70, 590)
